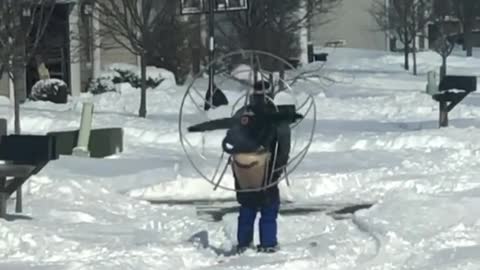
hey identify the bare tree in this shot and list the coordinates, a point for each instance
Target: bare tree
(444, 43)
(167, 47)
(273, 26)
(406, 18)
(133, 25)
(22, 26)
(466, 11)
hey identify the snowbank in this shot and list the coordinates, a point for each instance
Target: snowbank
(377, 141)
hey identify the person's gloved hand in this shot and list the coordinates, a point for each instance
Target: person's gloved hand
(239, 140)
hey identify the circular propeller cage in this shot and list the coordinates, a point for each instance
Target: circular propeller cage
(235, 75)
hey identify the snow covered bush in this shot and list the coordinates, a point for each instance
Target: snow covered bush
(104, 83)
(126, 73)
(131, 74)
(53, 90)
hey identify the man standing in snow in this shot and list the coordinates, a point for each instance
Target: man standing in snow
(260, 148)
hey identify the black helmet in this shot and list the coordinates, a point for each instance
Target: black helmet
(261, 93)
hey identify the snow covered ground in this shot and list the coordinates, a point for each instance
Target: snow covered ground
(376, 141)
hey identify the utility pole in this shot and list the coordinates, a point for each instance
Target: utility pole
(201, 7)
(211, 49)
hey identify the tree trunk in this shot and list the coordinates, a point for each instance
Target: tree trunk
(281, 84)
(143, 96)
(16, 107)
(467, 38)
(443, 69)
(414, 41)
(406, 53)
(19, 92)
(195, 44)
(2, 70)
(406, 50)
(414, 54)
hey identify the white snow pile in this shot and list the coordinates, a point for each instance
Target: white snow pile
(243, 72)
(377, 141)
(246, 73)
(456, 91)
(4, 100)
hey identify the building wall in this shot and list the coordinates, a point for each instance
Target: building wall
(4, 86)
(82, 68)
(105, 58)
(86, 76)
(96, 56)
(353, 23)
(117, 55)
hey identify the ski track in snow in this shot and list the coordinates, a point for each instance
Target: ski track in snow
(376, 141)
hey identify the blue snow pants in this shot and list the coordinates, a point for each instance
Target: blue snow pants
(267, 225)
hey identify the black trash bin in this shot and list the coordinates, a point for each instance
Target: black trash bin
(322, 57)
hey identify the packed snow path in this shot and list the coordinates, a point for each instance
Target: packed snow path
(376, 141)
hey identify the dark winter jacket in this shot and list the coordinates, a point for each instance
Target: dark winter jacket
(262, 133)
(271, 194)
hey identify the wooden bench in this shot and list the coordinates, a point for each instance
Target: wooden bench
(11, 175)
(21, 156)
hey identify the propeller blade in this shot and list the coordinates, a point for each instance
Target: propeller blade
(285, 113)
(222, 123)
(284, 117)
(217, 100)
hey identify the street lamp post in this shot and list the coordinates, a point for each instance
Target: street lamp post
(189, 7)
(211, 48)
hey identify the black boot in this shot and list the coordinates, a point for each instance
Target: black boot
(267, 249)
(242, 249)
